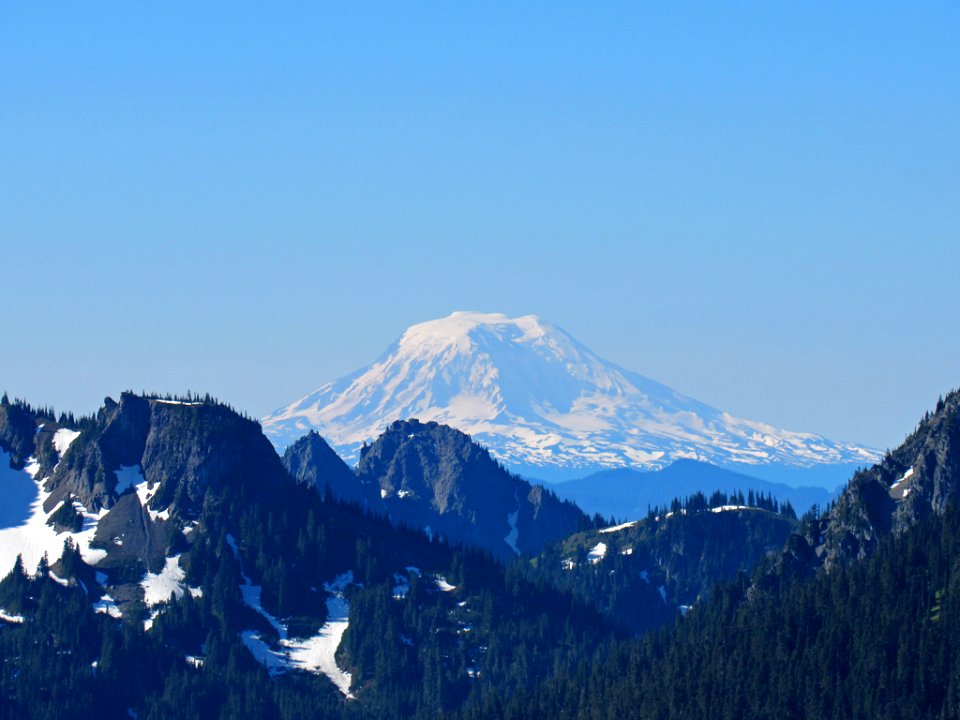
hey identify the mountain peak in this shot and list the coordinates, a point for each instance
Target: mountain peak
(458, 330)
(435, 477)
(541, 402)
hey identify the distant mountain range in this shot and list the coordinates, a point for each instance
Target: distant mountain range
(545, 405)
(627, 494)
(165, 562)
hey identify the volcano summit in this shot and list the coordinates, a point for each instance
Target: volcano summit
(543, 403)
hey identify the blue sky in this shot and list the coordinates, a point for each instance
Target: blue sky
(755, 204)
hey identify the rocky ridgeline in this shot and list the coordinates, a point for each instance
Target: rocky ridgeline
(918, 479)
(142, 467)
(430, 476)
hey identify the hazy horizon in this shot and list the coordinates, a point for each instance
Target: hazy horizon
(755, 206)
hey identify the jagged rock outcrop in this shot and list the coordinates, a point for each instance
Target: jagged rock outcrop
(919, 478)
(169, 443)
(434, 477)
(140, 471)
(312, 462)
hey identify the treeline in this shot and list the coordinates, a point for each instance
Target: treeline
(190, 397)
(698, 502)
(44, 413)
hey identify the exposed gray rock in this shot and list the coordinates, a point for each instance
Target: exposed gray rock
(134, 542)
(312, 462)
(432, 476)
(919, 478)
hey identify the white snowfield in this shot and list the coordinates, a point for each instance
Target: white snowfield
(315, 654)
(157, 588)
(901, 488)
(318, 653)
(108, 606)
(63, 439)
(538, 398)
(618, 528)
(171, 580)
(7, 617)
(443, 585)
(598, 553)
(132, 477)
(30, 536)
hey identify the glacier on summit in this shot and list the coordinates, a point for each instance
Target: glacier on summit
(541, 402)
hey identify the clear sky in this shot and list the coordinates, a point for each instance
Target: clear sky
(756, 204)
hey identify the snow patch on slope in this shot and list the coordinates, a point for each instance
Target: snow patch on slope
(316, 654)
(32, 538)
(900, 489)
(131, 476)
(63, 439)
(598, 553)
(108, 606)
(618, 528)
(128, 476)
(157, 588)
(7, 617)
(443, 585)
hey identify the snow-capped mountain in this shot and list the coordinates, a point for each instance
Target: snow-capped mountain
(541, 402)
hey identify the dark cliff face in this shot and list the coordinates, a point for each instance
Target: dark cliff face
(919, 479)
(182, 450)
(178, 452)
(86, 472)
(433, 477)
(191, 449)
